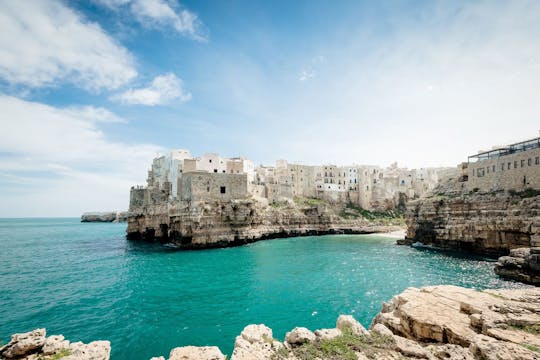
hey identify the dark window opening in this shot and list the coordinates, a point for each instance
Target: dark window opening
(222, 189)
(215, 170)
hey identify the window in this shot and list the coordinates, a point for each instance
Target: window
(222, 189)
(215, 170)
(209, 160)
(529, 162)
(522, 163)
(473, 172)
(488, 169)
(224, 171)
(537, 160)
(502, 167)
(208, 189)
(515, 164)
(509, 165)
(493, 168)
(480, 172)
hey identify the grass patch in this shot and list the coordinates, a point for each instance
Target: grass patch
(530, 347)
(390, 217)
(59, 355)
(306, 201)
(531, 329)
(343, 347)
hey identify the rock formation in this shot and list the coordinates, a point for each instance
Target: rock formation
(522, 264)
(485, 223)
(34, 345)
(435, 322)
(208, 224)
(112, 216)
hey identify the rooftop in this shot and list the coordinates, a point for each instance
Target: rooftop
(507, 150)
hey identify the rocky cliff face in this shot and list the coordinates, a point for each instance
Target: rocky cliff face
(486, 223)
(237, 222)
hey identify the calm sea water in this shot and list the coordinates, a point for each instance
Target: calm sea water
(88, 283)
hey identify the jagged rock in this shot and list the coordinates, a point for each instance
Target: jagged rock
(24, 344)
(347, 321)
(521, 265)
(449, 351)
(255, 342)
(96, 350)
(299, 336)
(196, 353)
(490, 349)
(35, 346)
(381, 330)
(327, 334)
(54, 344)
(410, 348)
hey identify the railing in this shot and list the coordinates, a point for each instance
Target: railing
(509, 150)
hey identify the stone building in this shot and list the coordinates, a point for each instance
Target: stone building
(512, 167)
(206, 186)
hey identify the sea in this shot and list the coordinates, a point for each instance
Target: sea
(87, 282)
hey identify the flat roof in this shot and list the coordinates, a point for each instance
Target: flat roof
(507, 150)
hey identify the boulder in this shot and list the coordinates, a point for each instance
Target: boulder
(381, 330)
(196, 353)
(255, 342)
(347, 321)
(488, 348)
(54, 344)
(299, 336)
(24, 344)
(96, 350)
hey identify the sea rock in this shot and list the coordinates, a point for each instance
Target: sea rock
(255, 342)
(54, 344)
(111, 216)
(347, 321)
(24, 344)
(35, 346)
(299, 336)
(522, 264)
(196, 353)
(96, 350)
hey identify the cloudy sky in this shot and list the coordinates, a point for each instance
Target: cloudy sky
(92, 90)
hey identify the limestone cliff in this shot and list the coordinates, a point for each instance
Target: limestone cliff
(487, 223)
(207, 224)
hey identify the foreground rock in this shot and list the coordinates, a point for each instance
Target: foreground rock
(112, 216)
(523, 264)
(34, 345)
(435, 322)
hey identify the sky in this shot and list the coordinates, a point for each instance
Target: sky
(91, 91)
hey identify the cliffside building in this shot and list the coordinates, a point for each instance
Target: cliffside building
(512, 167)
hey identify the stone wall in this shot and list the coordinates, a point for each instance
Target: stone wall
(197, 186)
(517, 171)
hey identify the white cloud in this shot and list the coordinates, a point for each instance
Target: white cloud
(161, 13)
(164, 89)
(42, 42)
(306, 75)
(58, 162)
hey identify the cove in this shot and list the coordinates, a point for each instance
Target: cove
(87, 282)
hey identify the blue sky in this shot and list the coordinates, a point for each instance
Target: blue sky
(91, 90)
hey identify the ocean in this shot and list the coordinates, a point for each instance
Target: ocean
(87, 282)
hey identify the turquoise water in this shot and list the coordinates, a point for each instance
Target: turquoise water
(88, 283)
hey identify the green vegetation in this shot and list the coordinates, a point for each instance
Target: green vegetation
(390, 217)
(342, 347)
(305, 201)
(527, 193)
(531, 347)
(59, 355)
(531, 329)
(496, 296)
